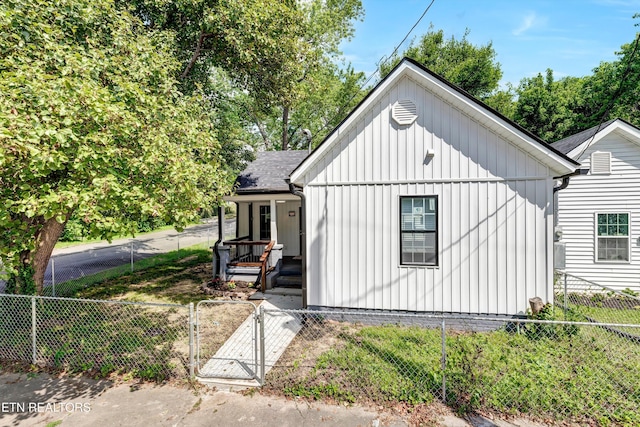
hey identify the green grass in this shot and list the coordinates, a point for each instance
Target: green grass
(101, 338)
(586, 375)
(603, 308)
(97, 338)
(114, 281)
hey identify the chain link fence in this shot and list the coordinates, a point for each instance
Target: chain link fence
(76, 267)
(565, 371)
(583, 300)
(149, 341)
(584, 373)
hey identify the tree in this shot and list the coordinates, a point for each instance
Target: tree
(92, 124)
(256, 42)
(614, 88)
(320, 84)
(557, 109)
(473, 68)
(275, 52)
(503, 101)
(549, 108)
(324, 100)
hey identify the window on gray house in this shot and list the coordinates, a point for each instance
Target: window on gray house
(419, 230)
(612, 237)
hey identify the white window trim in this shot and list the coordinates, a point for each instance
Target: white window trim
(437, 232)
(595, 238)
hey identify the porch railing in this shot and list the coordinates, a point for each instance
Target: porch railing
(251, 253)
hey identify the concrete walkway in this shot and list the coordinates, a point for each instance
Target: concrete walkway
(236, 363)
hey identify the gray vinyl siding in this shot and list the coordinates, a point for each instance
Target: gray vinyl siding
(495, 214)
(588, 194)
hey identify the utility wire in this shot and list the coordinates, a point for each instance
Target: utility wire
(383, 60)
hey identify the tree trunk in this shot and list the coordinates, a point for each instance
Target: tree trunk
(46, 239)
(285, 128)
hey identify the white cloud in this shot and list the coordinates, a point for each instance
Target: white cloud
(531, 20)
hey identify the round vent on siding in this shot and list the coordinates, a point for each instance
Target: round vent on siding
(404, 112)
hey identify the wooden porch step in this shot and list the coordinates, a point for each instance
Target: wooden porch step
(243, 270)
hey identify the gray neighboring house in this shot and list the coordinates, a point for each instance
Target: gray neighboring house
(599, 212)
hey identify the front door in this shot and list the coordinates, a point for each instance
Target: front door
(288, 221)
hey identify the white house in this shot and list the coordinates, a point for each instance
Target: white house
(425, 199)
(599, 213)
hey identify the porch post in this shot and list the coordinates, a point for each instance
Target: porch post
(274, 226)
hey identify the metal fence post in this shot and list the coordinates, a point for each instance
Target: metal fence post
(262, 347)
(53, 277)
(191, 342)
(444, 363)
(565, 296)
(131, 250)
(34, 355)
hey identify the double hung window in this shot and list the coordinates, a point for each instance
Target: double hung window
(612, 237)
(419, 230)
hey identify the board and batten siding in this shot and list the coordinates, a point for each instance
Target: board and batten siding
(494, 214)
(618, 192)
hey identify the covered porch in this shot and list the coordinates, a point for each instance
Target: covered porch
(267, 246)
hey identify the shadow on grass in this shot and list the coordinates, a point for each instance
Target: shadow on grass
(98, 338)
(173, 277)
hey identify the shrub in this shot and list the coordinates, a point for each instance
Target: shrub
(548, 330)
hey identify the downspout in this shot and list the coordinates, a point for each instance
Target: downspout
(564, 184)
(303, 238)
(220, 236)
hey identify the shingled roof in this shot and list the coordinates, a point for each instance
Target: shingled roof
(566, 145)
(267, 173)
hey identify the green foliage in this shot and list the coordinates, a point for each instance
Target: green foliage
(92, 125)
(22, 282)
(549, 108)
(555, 109)
(473, 68)
(548, 312)
(74, 230)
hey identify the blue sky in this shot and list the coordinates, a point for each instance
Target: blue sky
(569, 36)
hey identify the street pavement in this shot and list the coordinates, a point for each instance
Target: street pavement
(82, 260)
(39, 399)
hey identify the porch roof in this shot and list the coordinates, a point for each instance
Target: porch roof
(267, 173)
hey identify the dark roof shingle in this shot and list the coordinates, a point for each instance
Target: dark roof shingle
(267, 173)
(569, 143)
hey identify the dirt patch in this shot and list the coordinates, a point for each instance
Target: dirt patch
(228, 290)
(316, 337)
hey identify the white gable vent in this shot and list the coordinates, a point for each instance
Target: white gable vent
(600, 162)
(404, 112)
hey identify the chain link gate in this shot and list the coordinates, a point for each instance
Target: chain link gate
(227, 340)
